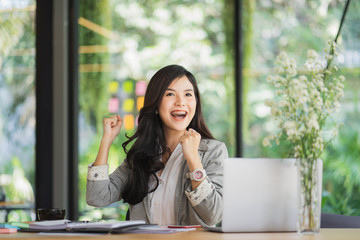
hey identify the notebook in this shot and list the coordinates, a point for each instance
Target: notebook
(260, 195)
(89, 227)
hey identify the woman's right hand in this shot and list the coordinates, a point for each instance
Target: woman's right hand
(111, 127)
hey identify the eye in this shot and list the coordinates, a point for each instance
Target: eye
(188, 94)
(169, 94)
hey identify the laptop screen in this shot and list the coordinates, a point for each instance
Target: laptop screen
(260, 195)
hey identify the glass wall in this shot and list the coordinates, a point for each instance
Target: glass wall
(122, 44)
(17, 109)
(296, 26)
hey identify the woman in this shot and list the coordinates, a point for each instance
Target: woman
(173, 171)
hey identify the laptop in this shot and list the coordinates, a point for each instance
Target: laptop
(260, 195)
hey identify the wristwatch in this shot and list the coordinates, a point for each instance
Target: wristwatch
(197, 175)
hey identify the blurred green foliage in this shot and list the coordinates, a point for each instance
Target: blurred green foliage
(342, 177)
(15, 184)
(17, 190)
(17, 109)
(295, 27)
(93, 84)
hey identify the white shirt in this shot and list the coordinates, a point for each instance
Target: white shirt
(162, 200)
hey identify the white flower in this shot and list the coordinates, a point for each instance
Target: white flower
(318, 103)
(279, 92)
(297, 151)
(283, 103)
(290, 128)
(283, 55)
(302, 103)
(312, 54)
(336, 106)
(313, 122)
(266, 142)
(292, 71)
(303, 79)
(281, 80)
(275, 112)
(269, 79)
(279, 70)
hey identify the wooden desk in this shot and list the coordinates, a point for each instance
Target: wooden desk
(325, 234)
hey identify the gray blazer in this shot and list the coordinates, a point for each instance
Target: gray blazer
(101, 193)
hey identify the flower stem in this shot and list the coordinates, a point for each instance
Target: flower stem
(342, 20)
(339, 30)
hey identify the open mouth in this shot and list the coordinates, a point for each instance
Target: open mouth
(179, 114)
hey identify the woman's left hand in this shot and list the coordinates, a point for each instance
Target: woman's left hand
(190, 142)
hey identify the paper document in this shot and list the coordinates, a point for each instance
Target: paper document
(104, 225)
(100, 226)
(50, 224)
(158, 229)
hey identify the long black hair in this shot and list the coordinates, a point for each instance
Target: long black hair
(144, 156)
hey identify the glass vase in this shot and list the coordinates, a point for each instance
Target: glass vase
(309, 195)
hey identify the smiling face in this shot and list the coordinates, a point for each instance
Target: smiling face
(178, 106)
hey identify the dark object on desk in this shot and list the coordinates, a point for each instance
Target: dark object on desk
(339, 221)
(2, 194)
(50, 214)
(127, 218)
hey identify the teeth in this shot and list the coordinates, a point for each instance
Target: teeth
(178, 113)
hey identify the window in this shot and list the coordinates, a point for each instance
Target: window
(122, 44)
(17, 109)
(294, 27)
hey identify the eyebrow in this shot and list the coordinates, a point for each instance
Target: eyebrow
(186, 90)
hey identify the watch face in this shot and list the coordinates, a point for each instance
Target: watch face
(198, 175)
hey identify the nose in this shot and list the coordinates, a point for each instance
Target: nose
(179, 101)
